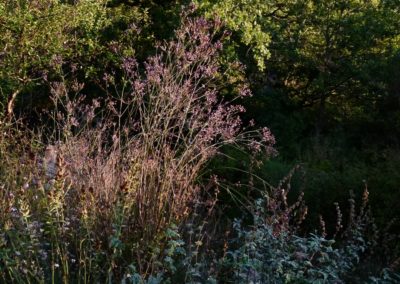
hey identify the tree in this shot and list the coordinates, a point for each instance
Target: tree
(48, 37)
(330, 55)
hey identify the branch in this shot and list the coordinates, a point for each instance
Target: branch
(10, 105)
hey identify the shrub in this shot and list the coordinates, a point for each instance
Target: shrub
(272, 250)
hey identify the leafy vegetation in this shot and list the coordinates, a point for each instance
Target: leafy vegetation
(205, 142)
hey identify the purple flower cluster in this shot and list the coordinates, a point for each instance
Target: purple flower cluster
(177, 96)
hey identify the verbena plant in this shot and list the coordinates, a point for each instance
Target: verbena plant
(100, 196)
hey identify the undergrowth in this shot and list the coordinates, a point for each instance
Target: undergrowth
(112, 190)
